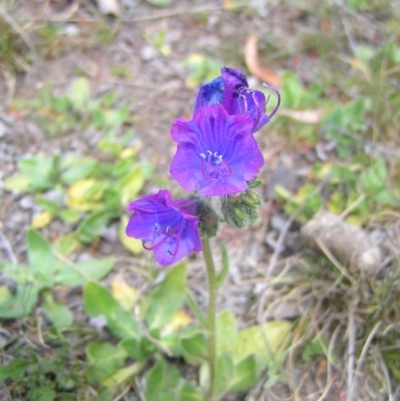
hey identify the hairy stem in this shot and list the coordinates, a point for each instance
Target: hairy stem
(211, 314)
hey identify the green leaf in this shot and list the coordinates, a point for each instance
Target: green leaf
(41, 258)
(21, 303)
(116, 117)
(99, 301)
(40, 255)
(138, 349)
(58, 313)
(41, 170)
(69, 216)
(79, 93)
(78, 169)
(160, 3)
(227, 334)
(130, 185)
(66, 244)
(89, 229)
(162, 304)
(20, 274)
(267, 342)
(374, 179)
(47, 205)
(187, 392)
(225, 266)
(161, 381)
(194, 348)
(292, 93)
(224, 371)
(41, 394)
(105, 359)
(82, 272)
(246, 375)
(122, 375)
(314, 348)
(17, 182)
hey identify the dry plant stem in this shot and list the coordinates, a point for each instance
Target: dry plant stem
(212, 303)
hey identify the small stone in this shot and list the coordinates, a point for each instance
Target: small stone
(110, 233)
(27, 202)
(286, 310)
(84, 256)
(3, 129)
(71, 30)
(98, 323)
(148, 53)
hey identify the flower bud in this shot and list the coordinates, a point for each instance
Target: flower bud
(241, 209)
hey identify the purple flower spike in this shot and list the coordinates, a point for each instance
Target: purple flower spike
(232, 91)
(217, 153)
(167, 227)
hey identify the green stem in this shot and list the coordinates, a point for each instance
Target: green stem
(211, 314)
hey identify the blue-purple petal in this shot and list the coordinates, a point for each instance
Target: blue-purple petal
(167, 225)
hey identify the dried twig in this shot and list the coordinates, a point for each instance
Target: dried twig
(351, 352)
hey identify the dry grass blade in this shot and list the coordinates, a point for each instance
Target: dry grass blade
(20, 31)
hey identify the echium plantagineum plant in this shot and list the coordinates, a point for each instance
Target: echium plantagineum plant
(217, 155)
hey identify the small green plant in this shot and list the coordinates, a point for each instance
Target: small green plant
(91, 192)
(47, 268)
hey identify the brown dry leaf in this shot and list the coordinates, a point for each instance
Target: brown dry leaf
(304, 116)
(253, 63)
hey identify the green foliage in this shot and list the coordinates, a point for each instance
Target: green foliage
(45, 271)
(91, 192)
(98, 301)
(159, 307)
(42, 375)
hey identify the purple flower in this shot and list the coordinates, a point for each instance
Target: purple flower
(232, 91)
(167, 227)
(217, 153)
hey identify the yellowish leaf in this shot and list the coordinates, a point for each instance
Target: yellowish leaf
(42, 220)
(131, 151)
(78, 198)
(124, 293)
(180, 319)
(131, 185)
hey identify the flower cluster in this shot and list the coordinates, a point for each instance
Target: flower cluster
(216, 155)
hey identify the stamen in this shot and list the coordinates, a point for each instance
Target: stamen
(279, 99)
(215, 169)
(150, 248)
(257, 108)
(178, 242)
(245, 107)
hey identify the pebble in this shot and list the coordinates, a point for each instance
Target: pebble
(110, 233)
(71, 30)
(27, 202)
(3, 129)
(148, 53)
